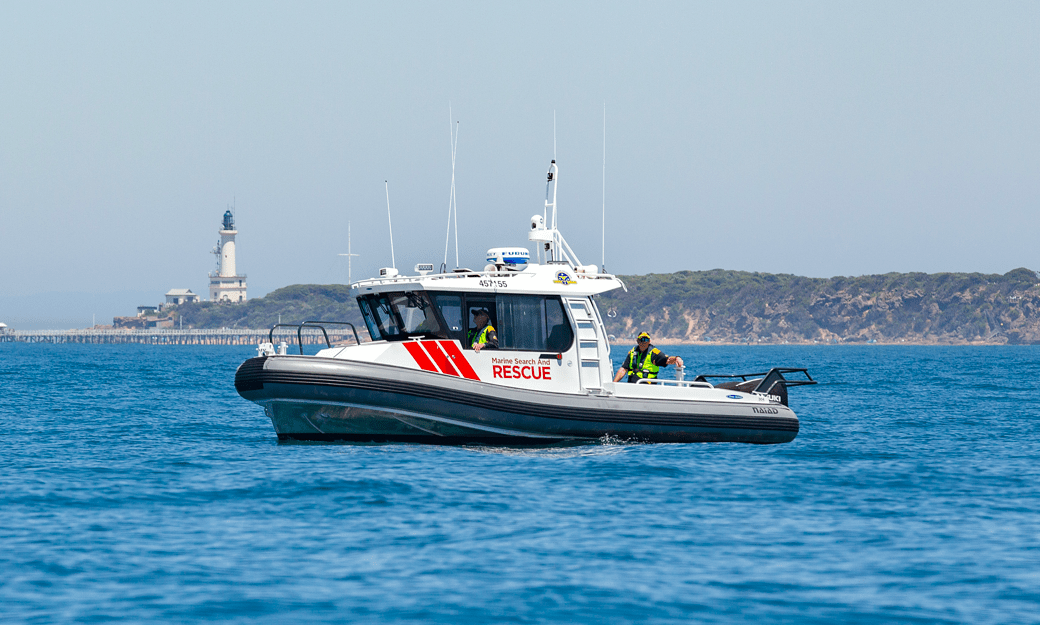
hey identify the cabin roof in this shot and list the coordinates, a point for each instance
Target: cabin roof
(554, 279)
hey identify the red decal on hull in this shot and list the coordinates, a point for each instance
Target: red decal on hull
(420, 356)
(459, 360)
(439, 358)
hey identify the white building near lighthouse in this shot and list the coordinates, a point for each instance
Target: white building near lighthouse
(225, 284)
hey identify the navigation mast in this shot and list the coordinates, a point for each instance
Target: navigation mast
(349, 256)
(554, 246)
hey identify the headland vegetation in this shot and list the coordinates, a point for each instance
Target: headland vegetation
(723, 306)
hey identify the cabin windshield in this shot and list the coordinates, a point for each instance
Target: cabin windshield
(400, 316)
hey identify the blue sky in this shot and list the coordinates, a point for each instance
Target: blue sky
(815, 138)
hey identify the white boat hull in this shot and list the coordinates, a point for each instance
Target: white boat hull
(325, 399)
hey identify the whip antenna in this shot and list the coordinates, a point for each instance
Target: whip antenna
(454, 194)
(393, 262)
(603, 241)
(452, 204)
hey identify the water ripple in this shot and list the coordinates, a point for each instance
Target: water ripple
(137, 486)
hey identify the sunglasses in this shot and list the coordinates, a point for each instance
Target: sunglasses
(644, 340)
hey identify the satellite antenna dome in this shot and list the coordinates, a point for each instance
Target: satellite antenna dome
(513, 257)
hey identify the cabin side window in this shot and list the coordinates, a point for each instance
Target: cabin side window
(384, 316)
(559, 333)
(373, 328)
(532, 323)
(521, 322)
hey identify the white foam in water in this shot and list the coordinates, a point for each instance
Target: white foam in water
(575, 451)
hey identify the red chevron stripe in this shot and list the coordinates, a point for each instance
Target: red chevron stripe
(420, 356)
(459, 359)
(439, 358)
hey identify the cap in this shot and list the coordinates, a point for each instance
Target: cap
(479, 311)
(641, 335)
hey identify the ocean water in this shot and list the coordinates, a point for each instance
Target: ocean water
(138, 486)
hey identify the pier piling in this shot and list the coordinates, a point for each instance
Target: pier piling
(165, 337)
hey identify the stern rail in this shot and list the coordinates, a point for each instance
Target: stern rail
(766, 382)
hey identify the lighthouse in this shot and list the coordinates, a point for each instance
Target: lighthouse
(225, 284)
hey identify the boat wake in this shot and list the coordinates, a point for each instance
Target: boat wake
(606, 446)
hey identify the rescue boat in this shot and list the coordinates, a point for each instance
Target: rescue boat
(549, 381)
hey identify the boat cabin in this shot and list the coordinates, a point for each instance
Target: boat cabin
(550, 333)
(522, 322)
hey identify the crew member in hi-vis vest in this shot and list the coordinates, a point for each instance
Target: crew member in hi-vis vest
(483, 335)
(645, 361)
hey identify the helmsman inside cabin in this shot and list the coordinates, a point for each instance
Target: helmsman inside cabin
(483, 333)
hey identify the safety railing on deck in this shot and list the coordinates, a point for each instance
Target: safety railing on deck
(314, 323)
(680, 383)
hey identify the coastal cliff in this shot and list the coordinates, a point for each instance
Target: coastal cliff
(735, 306)
(721, 306)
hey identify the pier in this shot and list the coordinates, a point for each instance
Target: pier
(223, 336)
